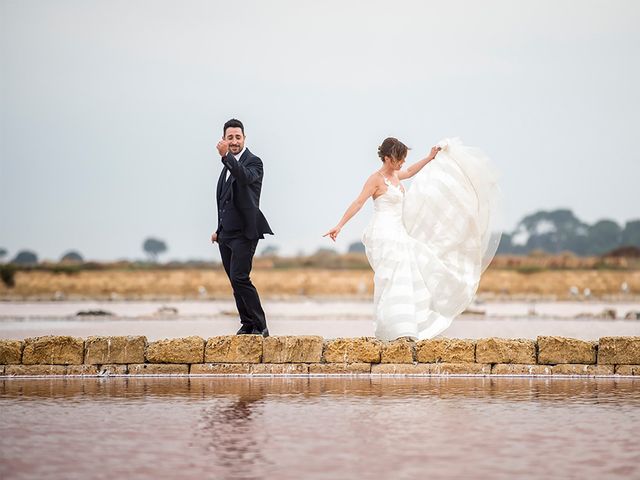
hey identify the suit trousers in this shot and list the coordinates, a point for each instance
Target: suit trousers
(237, 253)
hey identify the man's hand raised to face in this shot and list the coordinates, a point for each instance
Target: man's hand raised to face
(223, 147)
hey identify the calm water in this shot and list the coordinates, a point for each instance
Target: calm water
(292, 428)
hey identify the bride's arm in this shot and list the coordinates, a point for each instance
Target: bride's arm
(416, 167)
(368, 190)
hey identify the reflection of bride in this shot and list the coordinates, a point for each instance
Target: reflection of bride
(428, 246)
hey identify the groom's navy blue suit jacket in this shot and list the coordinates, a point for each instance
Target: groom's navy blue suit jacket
(238, 198)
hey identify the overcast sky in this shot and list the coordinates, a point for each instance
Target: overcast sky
(110, 111)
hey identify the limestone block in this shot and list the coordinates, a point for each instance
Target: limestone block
(221, 368)
(91, 370)
(401, 369)
(112, 369)
(176, 350)
(158, 369)
(109, 350)
(234, 349)
(628, 370)
(11, 351)
(53, 350)
(398, 351)
(36, 370)
(339, 368)
(293, 349)
(577, 369)
(619, 350)
(279, 368)
(503, 350)
(448, 350)
(460, 369)
(352, 350)
(519, 369)
(552, 350)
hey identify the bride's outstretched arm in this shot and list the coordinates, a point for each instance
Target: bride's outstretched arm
(368, 190)
(416, 167)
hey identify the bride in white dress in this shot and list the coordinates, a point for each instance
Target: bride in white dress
(428, 246)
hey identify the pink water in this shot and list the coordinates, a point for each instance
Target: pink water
(292, 428)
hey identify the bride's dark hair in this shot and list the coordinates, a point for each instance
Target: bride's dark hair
(393, 148)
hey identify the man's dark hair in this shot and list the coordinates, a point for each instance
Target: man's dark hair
(233, 123)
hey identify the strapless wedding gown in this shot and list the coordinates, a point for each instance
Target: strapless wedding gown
(428, 247)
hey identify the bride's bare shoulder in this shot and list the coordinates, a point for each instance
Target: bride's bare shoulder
(375, 178)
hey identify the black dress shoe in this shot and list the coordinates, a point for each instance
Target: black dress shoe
(264, 333)
(245, 330)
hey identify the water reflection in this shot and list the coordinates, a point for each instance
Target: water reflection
(231, 433)
(319, 427)
(252, 390)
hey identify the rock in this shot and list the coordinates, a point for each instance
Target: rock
(352, 350)
(158, 369)
(519, 369)
(234, 349)
(608, 313)
(398, 351)
(619, 350)
(450, 350)
(628, 370)
(401, 369)
(460, 369)
(220, 368)
(552, 350)
(176, 350)
(293, 349)
(94, 313)
(339, 368)
(576, 369)
(120, 349)
(11, 351)
(164, 310)
(279, 368)
(502, 350)
(53, 350)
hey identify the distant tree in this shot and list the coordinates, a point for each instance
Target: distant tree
(7, 275)
(631, 233)
(505, 244)
(604, 236)
(72, 257)
(3, 252)
(356, 247)
(25, 257)
(154, 247)
(270, 251)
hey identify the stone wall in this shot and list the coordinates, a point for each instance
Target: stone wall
(312, 355)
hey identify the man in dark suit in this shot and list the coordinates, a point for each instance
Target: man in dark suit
(240, 223)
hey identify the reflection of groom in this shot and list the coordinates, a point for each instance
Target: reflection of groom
(240, 223)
